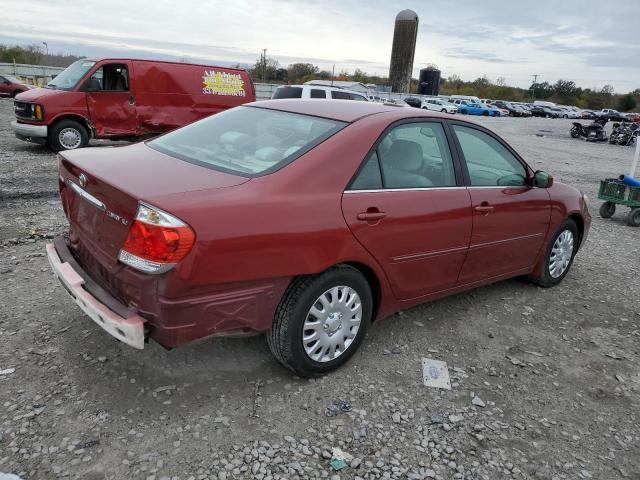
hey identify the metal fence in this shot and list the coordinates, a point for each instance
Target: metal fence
(38, 75)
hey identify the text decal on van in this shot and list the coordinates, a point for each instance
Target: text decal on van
(222, 83)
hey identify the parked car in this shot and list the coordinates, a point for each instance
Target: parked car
(512, 111)
(544, 111)
(306, 221)
(634, 117)
(502, 112)
(589, 115)
(478, 109)
(438, 105)
(612, 115)
(11, 86)
(317, 92)
(458, 102)
(415, 102)
(566, 112)
(120, 98)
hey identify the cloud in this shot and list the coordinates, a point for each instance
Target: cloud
(575, 39)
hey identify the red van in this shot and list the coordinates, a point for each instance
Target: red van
(125, 99)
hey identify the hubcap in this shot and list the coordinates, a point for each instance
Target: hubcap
(69, 138)
(332, 324)
(561, 254)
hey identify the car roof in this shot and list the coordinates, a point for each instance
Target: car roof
(342, 110)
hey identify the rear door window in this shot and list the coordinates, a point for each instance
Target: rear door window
(315, 93)
(340, 95)
(288, 92)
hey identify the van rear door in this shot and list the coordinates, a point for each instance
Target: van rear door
(111, 100)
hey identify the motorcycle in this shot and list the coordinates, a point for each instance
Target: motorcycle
(624, 133)
(593, 132)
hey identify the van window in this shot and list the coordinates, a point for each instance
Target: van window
(358, 98)
(336, 95)
(287, 92)
(315, 93)
(110, 78)
(247, 141)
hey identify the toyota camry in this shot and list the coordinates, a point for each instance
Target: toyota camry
(305, 220)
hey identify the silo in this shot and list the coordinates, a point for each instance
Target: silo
(429, 82)
(402, 51)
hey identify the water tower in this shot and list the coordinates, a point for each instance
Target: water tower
(429, 81)
(402, 51)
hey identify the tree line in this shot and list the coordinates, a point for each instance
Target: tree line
(34, 55)
(563, 92)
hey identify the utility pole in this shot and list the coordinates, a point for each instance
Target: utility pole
(333, 73)
(533, 87)
(264, 65)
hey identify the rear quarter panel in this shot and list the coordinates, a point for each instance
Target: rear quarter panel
(173, 95)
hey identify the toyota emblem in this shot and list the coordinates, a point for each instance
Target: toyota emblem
(83, 180)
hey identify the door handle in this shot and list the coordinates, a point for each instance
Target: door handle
(132, 100)
(371, 215)
(485, 208)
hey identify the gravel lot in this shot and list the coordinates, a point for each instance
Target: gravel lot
(546, 383)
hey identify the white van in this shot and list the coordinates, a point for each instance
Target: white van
(317, 91)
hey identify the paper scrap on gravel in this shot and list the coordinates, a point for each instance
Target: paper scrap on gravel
(7, 371)
(435, 374)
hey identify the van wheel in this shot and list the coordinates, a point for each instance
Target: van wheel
(321, 321)
(13, 94)
(68, 135)
(444, 110)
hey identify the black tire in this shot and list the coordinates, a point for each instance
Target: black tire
(464, 112)
(443, 110)
(575, 133)
(565, 116)
(285, 337)
(485, 113)
(72, 126)
(607, 209)
(633, 218)
(545, 279)
(13, 94)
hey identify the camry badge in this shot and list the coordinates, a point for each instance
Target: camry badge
(82, 180)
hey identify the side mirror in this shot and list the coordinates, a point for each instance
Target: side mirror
(542, 179)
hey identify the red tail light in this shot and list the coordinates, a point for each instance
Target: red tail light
(156, 241)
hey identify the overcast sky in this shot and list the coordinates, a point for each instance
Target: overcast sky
(592, 42)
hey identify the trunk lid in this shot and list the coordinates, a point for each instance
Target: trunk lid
(100, 189)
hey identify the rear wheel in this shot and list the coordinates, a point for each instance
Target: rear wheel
(633, 218)
(463, 111)
(607, 209)
(443, 110)
(68, 135)
(485, 114)
(559, 255)
(321, 321)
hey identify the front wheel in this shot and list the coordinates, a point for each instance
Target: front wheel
(633, 218)
(607, 209)
(68, 135)
(321, 321)
(559, 255)
(444, 110)
(575, 133)
(485, 114)
(463, 111)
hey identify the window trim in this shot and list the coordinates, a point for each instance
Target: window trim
(457, 167)
(463, 160)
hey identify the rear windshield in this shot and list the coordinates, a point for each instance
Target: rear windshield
(287, 92)
(247, 141)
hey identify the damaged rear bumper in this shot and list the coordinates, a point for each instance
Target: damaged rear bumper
(98, 304)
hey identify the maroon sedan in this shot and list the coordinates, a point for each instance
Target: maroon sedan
(11, 86)
(305, 220)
